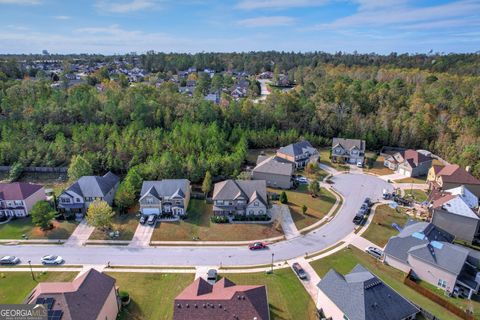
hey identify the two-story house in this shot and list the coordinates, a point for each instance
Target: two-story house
(452, 176)
(168, 196)
(240, 197)
(299, 153)
(348, 150)
(409, 163)
(17, 198)
(77, 197)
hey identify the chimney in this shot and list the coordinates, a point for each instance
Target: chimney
(468, 169)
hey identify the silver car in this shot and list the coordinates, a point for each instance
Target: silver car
(9, 260)
(375, 252)
(49, 259)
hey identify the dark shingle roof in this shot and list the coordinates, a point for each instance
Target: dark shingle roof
(94, 186)
(444, 255)
(166, 188)
(273, 165)
(349, 144)
(232, 189)
(362, 296)
(296, 148)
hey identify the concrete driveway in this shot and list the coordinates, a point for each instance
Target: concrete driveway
(142, 236)
(81, 234)
(354, 188)
(282, 213)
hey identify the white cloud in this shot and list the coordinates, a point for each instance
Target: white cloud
(277, 4)
(62, 17)
(271, 21)
(20, 2)
(124, 6)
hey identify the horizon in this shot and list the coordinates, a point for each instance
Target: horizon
(110, 27)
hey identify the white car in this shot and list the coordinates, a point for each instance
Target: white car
(302, 180)
(52, 260)
(374, 252)
(9, 260)
(360, 164)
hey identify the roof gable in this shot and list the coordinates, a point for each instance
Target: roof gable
(18, 190)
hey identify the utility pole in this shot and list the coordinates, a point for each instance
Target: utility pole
(273, 254)
(31, 270)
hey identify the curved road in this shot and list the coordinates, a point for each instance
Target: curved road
(353, 187)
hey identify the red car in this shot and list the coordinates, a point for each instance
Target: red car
(257, 246)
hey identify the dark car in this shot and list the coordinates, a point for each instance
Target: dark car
(143, 219)
(257, 246)
(9, 260)
(299, 271)
(358, 219)
(368, 202)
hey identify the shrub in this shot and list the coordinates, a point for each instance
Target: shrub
(219, 219)
(283, 197)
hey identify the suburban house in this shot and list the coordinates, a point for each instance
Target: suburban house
(360, 295)
(409, 163)
(455, 213)
(77, 197)
(452, 176)
(348, 150)
(222, 300)
(168, 196)
(277, 172)
(299, 153)
(427, 252)
(240, 197)
(18, 198)
(91, 296)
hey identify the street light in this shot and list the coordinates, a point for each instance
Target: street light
(31, 270)
(271, 271)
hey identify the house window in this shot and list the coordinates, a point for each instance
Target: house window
(255, 203)
(149, 200)
(64, 200)
(230, 203)
(78, 199)
(260, 211)
(250, 212)
(18, 202)
(442, 283)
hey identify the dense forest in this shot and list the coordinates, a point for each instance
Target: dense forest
(418, 101)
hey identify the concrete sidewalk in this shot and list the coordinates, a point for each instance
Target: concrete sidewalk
(80, 235)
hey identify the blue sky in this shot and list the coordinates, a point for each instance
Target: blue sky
(120, 26)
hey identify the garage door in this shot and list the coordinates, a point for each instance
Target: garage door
(151, 211)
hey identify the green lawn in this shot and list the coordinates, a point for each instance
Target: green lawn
(319, 174)
(380, 230)
(126, 224)
(417, 195)
(325, 159)
(378, 167)
(317, 207)
(198, 225)
(15, 286)
(287, 298)
(422, 179)
(151, 294)
(24, 226)
(344, 261)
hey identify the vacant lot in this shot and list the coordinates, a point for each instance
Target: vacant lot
(381, 229)
(422, 179)
(287, 298)
(126, 224)
(151, 294)
(15, 286)
(24, 226)
(344, 261)
(317, 207)
(199, 226)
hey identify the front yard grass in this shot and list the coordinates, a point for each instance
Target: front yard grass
(14, 286)
(151, 294)
(344, 260)
(380, 230)
(198, 226)
(417, 195)
(325, 159)
(317, 207)
(287, 298)
(24, 226)
(422, 179)
(125, 223)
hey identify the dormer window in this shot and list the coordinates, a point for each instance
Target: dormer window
(255, 203)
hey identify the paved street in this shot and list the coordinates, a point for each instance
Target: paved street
(354, 188)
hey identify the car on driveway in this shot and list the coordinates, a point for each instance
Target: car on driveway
(299, 271)
(258, 246)
(360, 164)
(212, 276)
(152, 219)
(143, 219)
(375, 252)
(50, 259)
(9, 260)
(302, 180)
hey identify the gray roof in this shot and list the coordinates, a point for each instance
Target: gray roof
(361, 296)
(171, 188)
(444, 255)
(274, 165)
(94, 186)
(296, 148)
(232, 189)
(415, 234)
(348, 144)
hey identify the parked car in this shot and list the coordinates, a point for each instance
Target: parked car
(257, 246)
(299, 271)
(143, 219)
(151, 219)
(365, 209)
(9, 260)
(212, 276)
(302, 180)
(360, 164)
(50, 259)
(359, 218)
(368, 202)
(375, 252)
